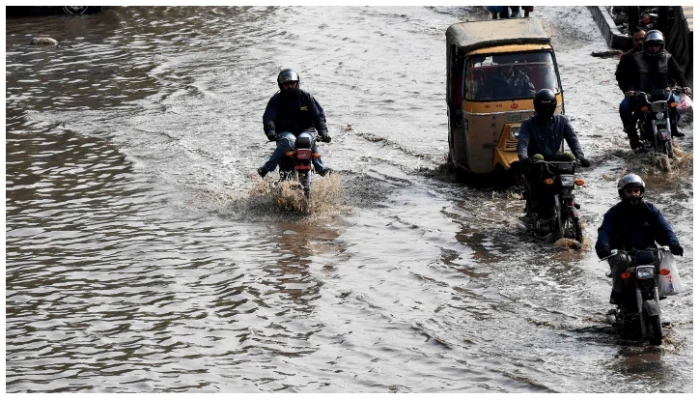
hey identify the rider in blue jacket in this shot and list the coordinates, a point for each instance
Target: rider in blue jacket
(541, 137)
(290, 112)
(544, 132)
(632, 223)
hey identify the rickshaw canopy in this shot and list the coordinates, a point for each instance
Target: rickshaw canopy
(474, 35)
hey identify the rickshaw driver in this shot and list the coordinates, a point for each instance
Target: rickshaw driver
(541, 137)
(507, 83)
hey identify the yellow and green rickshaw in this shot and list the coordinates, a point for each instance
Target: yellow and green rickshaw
(484, 113)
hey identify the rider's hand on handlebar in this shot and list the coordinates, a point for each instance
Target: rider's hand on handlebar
(676, 249)
(273, 137)
(584, 162)
(603, 252)
(630, 93)
(687, 90)
(325, 137)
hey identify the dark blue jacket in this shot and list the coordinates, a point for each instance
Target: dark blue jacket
(545, 137)
(625, 227)
(293, 113)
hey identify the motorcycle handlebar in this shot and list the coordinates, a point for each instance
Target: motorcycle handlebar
(318, 139)
(674, 89)
(631, 253)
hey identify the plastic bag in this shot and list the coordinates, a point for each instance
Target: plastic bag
(668, 278)
(685, 103)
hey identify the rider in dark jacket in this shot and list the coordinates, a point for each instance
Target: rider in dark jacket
(541, 137)
(654, 68)
(544, 132)
(623, 74)
(290, 112)
(633, 223)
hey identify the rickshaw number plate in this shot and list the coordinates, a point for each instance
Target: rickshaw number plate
(514, 118)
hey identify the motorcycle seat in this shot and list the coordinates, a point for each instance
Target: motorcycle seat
(303, 142)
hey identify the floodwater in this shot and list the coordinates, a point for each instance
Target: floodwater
(144, 254)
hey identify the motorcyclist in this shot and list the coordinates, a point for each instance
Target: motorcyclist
(654, 69)
(290, 112)
(633, 223)
(625, 70)
(541, 137)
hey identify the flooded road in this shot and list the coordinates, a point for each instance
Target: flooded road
(144, 254)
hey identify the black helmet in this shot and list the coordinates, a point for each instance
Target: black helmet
(631, 181)
(545, 103)
(287, 75)
(654, 37)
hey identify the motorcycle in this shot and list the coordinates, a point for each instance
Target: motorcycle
(556, 215)
(655, 124)
(297, 165)
(636, 274)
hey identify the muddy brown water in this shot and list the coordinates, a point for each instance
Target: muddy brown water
(143, 253)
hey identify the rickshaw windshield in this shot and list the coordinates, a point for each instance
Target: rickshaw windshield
(509, 76)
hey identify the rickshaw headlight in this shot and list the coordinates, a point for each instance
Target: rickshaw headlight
(514, 133)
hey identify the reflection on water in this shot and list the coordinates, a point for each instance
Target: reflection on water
(145, 254)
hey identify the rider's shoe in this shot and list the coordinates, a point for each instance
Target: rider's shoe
(636, 145)
(262, 171)
(675, 132)
(326, 171)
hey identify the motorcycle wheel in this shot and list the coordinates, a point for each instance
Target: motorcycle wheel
(286, 175)
(654, 330)
(669, 149)
(578, 232)
(571, 227)
(305, 180)
(559, 227)
(655, 334)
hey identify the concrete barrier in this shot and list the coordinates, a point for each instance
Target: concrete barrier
(612, 35)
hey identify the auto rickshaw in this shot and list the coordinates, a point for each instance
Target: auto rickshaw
(494, 68)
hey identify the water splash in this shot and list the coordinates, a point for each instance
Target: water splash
(572, 244)
(326, 195)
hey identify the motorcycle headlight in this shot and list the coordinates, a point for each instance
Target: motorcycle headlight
(514, 132)
(567, 180)
(645, 272)
(659, 115)
(659, 106)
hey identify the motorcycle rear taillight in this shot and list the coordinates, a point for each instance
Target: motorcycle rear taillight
(303, 154)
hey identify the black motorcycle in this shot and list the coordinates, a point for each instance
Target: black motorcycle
(635, 278)
(297, 165)
(656, 121)
(553, 212)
